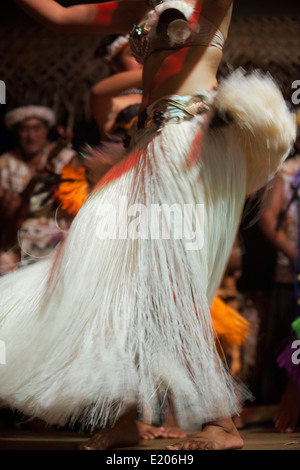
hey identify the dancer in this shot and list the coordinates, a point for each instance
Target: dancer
(129, 321)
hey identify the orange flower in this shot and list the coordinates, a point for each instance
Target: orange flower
(73, 190)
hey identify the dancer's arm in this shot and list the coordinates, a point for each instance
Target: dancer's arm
(114, 17)
(105, 92)
(116, 84)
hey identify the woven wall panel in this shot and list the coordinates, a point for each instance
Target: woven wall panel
(56, 70)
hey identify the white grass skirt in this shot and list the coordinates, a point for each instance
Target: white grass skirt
(123, 319)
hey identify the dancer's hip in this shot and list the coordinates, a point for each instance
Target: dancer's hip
(171, 109)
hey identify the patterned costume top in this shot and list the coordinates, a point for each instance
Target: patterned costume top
(172, 24)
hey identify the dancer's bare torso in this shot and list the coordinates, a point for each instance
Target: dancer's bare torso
(199, 64)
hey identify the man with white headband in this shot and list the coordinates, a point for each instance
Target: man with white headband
(27, 222)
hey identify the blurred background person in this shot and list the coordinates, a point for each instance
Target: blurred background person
(115, 103)
(279, 222)
(28, 229)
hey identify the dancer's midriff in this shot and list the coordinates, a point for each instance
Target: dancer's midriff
(182, 72)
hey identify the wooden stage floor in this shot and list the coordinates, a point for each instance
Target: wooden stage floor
(258, 434)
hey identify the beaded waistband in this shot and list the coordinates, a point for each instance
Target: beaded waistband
(174, 107)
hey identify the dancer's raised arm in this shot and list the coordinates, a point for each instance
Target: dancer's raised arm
(115, 17)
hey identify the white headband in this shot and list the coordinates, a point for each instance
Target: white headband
(15, 116)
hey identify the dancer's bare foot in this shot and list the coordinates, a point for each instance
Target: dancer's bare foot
(288, 412)
(218, 435)
(173, 432)
(124, 434)
(147, 431)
